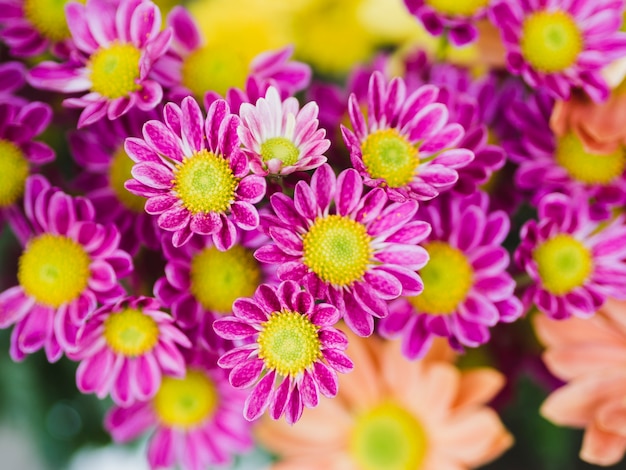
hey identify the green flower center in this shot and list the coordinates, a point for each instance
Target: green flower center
(447, 278)
(289, 343)
(205, 183)
(119, 173)
(114, 70)
(280, 148)
(590, 168)
(131, 332)
(551, 41)
(563, 263)
(48, 17)
(391, 157)
(388, 437)
(337, 249)
(187, 402)
(14, 169)
(53, 269)
(218, 278)
(458, 7)
(212, 68)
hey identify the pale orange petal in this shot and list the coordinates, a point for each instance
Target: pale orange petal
(602, 448)
(440, 462)
(478, 386)
(576, 360)
(615, 311)
(321, 461)
(611, 417)
(432, 393)
(554, 333)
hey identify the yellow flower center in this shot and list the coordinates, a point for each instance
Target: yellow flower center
(551, 41)
(590, 168)
(48, 17)
(337, 249)
(53, 269)
(205, 183)
(289, 343)
(563, 263)
(218, 278)
(388, 437)
(458, 7)
(447, 278)
(390, 156)
(281, 148)
(119, 173)
(14, 170)
(186, 403)
(131, 332)
(212, 68)
(114, 70)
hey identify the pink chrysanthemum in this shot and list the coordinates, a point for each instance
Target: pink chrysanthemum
(407, 145)
(99, 150)
(201, 282)
(292, 351)
(125, 348)
(574, 262)
(279, 137)
(195, 175)
(118, 44)
(455, 18)
(561, 45)
(466, 286)
(356, 257)
(69, 264)
(197, 419)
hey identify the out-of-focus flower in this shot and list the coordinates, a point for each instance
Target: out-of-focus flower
(197, 419)
(561, 45)
(357, 257)
(194, 173)
(590, 356)
(125, 348)
(574, 262)
(69, 264)
(291, 350)
(279, 137)
(466, 286)
(118, 44)
(394, 414)
(406, 146)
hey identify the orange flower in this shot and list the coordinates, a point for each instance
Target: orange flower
(394, 414)
(590, 355)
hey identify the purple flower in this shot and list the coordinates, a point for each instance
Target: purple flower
(197, 419)
(407, 146)
(195, 175)
(125, 348)
(466, 286)
(575, 263)
(561, 45)
(118, 45)
(69, 264)
(279, 137)
(357, 257)
(291, 353)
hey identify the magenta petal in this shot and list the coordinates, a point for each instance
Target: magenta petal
(323, 185)
(349, 190)
(121, 393)
(153, 175)
(294, 408)
(308, 390)
(37, 326)
(205, 223)
(288, 241)
(231, 328)
(410, 256)
(147, 377)
(279, 401)
(126, 424)
(174, 219)
(161, 450)
(357, 319)
(332, 338)
(259, 399)
(245, 215)
(325, 315)
(274, 255)
(244, 374)
(94, 372)
(326, 379)
(338, 360)
(386, 285)
(304, 200)
(225, 238)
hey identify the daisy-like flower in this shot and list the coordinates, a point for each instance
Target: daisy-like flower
(195, 175)
(125, 348)
(561, 45)
(196, 419)
(118, 43)
(99, 150)
(291, 350)
(69, 264)
(391, 413)
(575, 263)
(407, 145)
(201, 282)
(279, 137)
(454, 18)
(466, 286)
(590, 356)
(357, 257)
